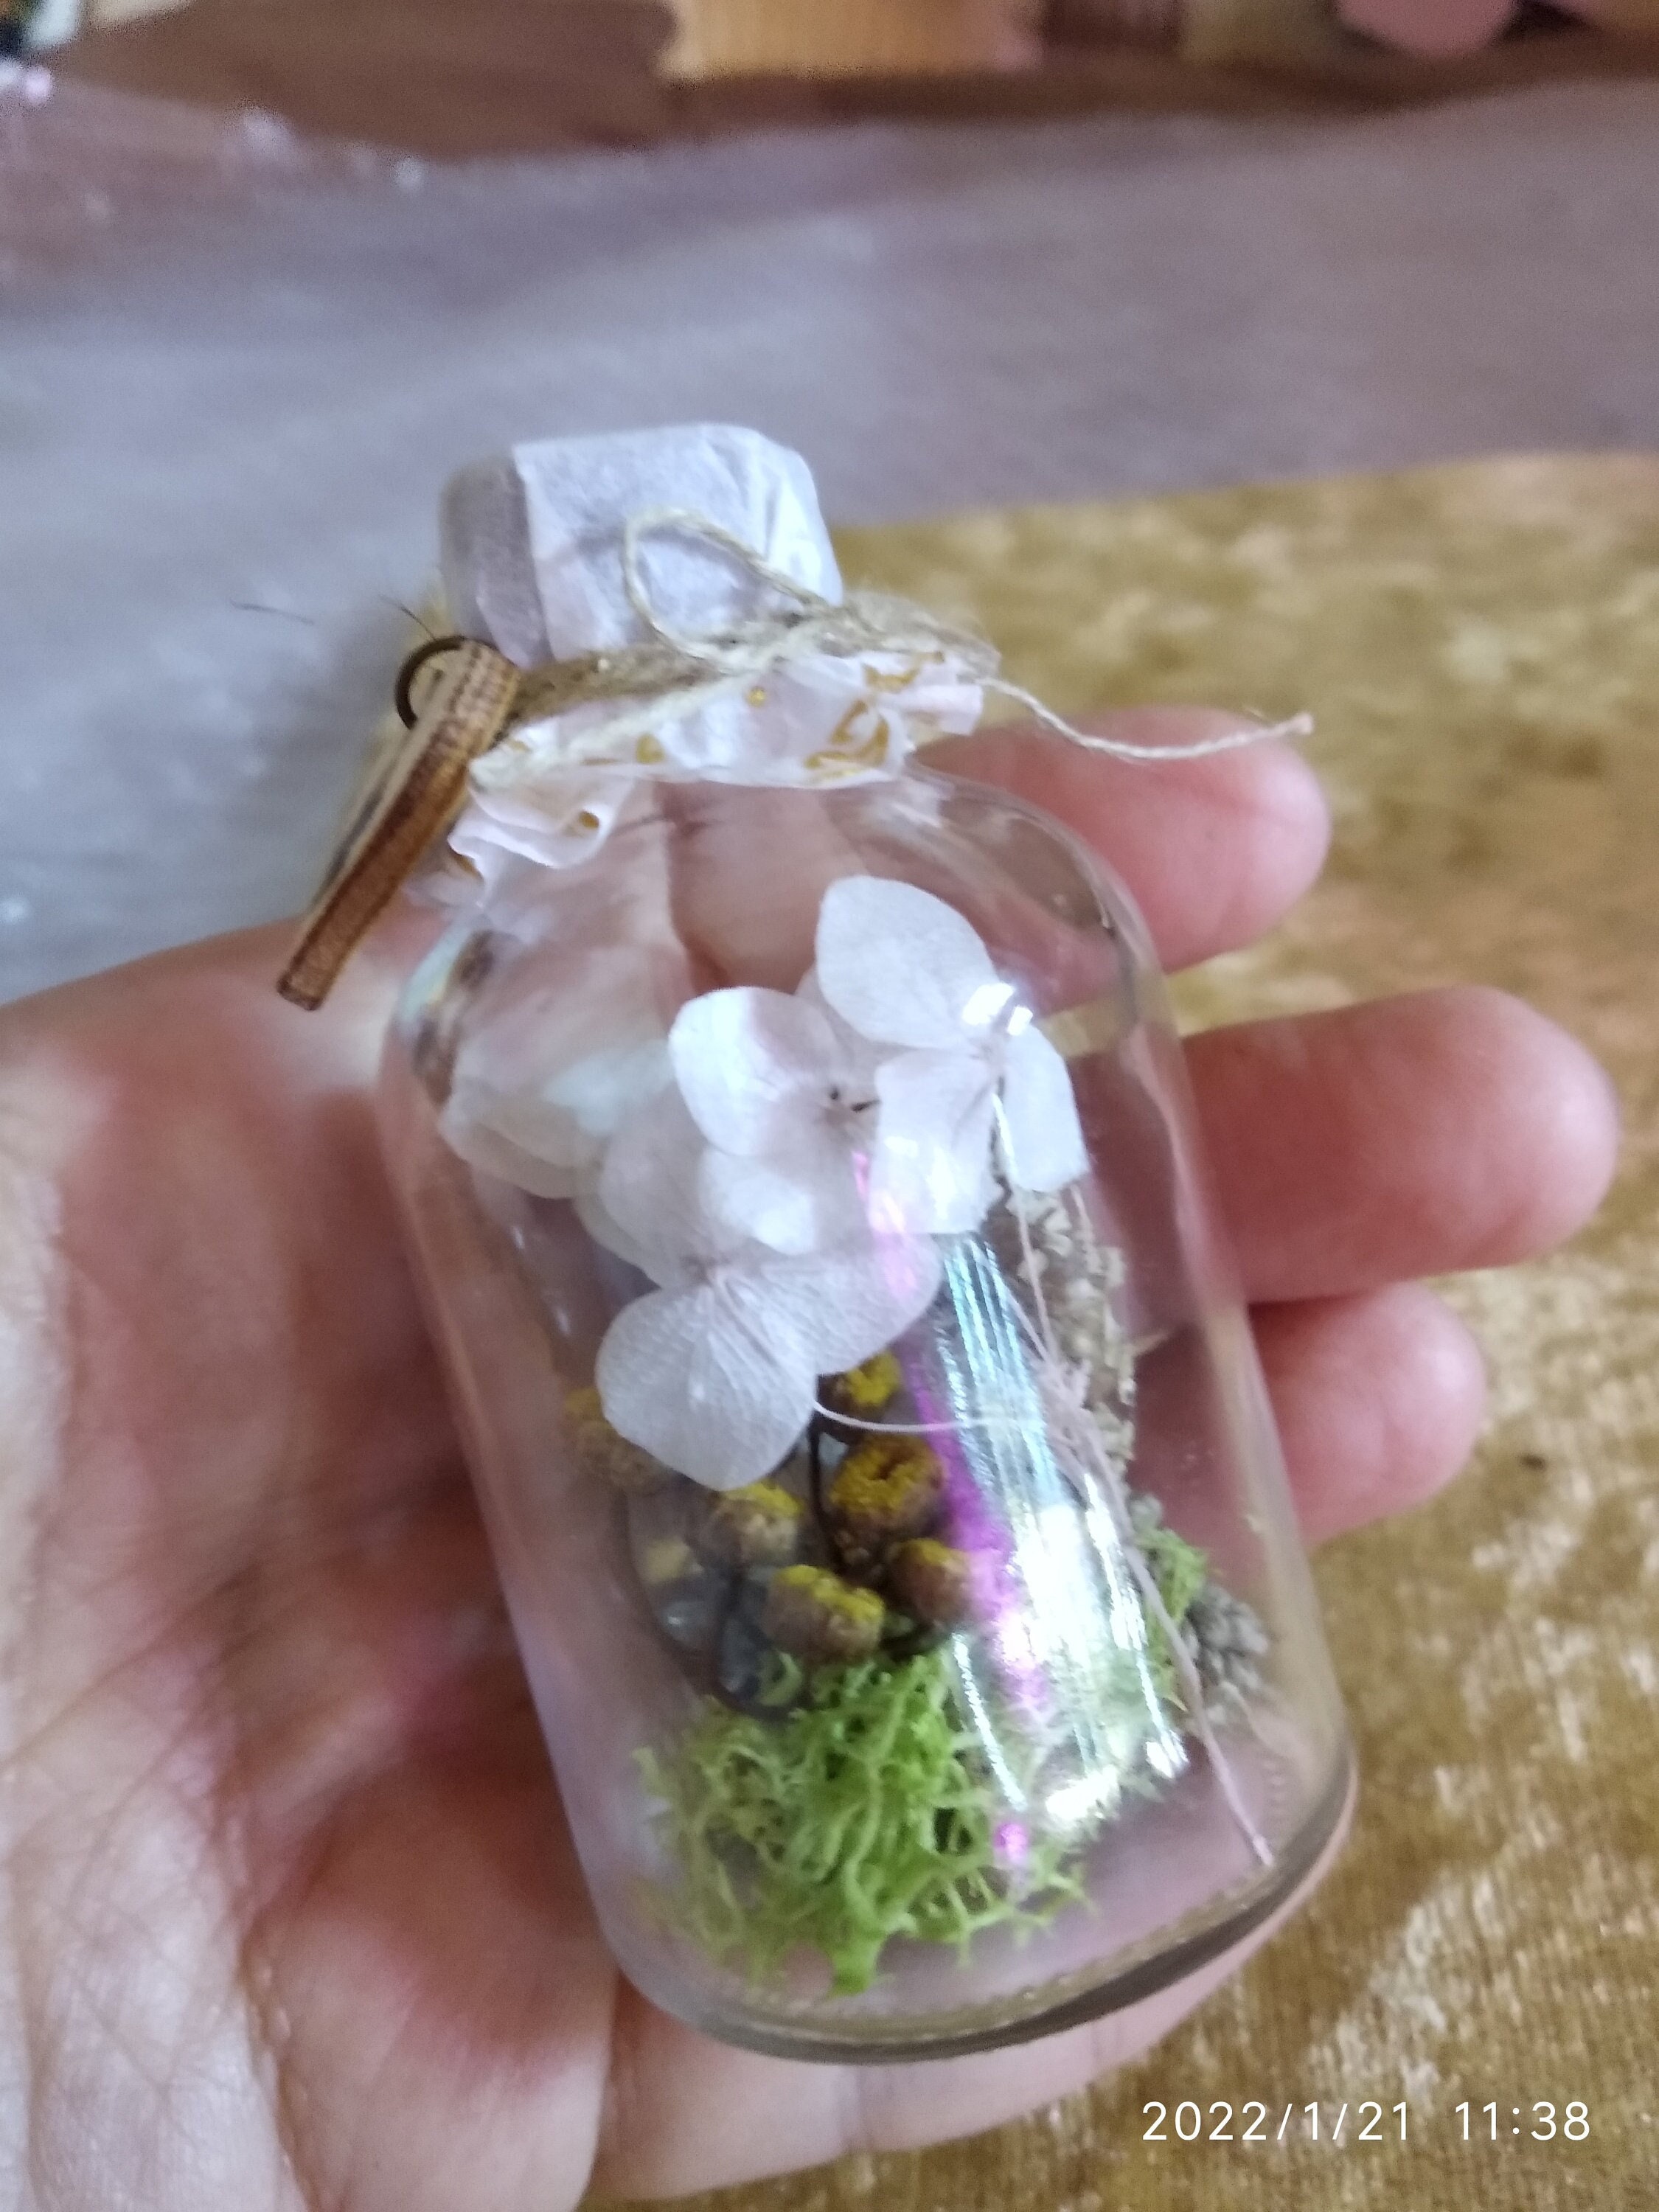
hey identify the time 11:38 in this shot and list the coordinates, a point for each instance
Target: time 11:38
(1572, 2123)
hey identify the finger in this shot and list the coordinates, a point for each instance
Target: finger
(686, 2113)
(1410, 1136)
(199, 1009)
(1213, 851)
(1378, 1400)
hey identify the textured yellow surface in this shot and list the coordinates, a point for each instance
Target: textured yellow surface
(852, 37)
(1480, 645)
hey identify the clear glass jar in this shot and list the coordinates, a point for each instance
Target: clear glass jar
(972, 1685)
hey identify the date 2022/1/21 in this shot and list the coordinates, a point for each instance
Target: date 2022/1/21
(1365, 2122)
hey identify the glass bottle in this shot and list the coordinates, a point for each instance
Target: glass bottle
(867, 1425)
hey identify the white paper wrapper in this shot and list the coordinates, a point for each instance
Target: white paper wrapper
(532, 557)
(532, 540)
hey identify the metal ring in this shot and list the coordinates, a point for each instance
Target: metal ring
(412, 667)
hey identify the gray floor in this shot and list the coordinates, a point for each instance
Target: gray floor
(232, 376)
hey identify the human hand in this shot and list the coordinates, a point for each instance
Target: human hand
(289, 1916)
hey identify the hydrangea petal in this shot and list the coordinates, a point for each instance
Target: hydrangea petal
(604, 1228)
(752, 1064)
(899, 964)
(688, 1376)
(550, 1141)
(797, 1201)
(649, 1187)
(847, 1306)
(932, 1171)
(524, 1140)
(859, 1057)
(1040, 1119)
(599, 1090)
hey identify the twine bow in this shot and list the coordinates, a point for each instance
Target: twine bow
(472, 716)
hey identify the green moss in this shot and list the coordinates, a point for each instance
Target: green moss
(866, 1814)
(1181, 1570)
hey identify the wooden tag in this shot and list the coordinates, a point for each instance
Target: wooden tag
(411, 791)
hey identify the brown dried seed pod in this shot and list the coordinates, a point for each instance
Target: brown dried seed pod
(758, 1526)
(933, 1581)
(600, 1451)
(886, 1489)
(818, 1616)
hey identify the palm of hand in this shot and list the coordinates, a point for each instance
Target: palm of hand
(290, 1912)
(281, 1796)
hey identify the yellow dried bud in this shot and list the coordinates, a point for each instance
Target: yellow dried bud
(818, 1616)
(600, 1451)
(758, 1526)
(933, 1581)
(886, 1489)
(864, 1391)
(666, 1559)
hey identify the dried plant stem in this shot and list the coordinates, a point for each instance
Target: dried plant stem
(910, 1428)
(1093, 1473)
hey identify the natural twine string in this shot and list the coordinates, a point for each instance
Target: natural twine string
(864, 622)
(674, 672)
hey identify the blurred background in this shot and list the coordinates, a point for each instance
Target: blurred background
(271, 268)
